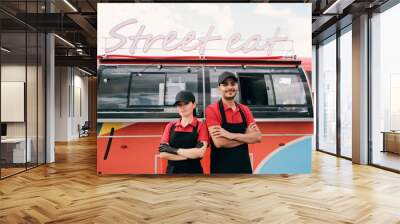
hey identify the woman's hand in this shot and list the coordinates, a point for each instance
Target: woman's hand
(167, 148)
(194, 153)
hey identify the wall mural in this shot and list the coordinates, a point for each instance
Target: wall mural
(204, 88)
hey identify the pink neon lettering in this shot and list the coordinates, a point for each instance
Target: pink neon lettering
(171, 36)
(251, 43)
(189, 42)
(150, 42)
(207, 38)
(139, 36)
(122, 39)
(234, 39)
(189, 37)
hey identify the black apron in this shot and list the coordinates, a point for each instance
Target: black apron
(231, 160)
(183, 140)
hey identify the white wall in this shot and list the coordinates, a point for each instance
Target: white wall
(71, 87)
(62, 81)
(14, 73)
(33, 126)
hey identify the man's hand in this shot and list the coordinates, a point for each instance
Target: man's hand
(220, 141)
(169, 156)
(252, 128)
(218, 131)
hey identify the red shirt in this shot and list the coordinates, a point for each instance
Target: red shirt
(213, 116)
(201, 130)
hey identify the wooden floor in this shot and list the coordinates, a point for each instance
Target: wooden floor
(5, 172)
(69, 191)
(387, 159)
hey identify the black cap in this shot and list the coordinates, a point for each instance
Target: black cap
(226, 75)
(184, 96)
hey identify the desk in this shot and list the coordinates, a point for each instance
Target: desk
(391, 141)
(13, 150)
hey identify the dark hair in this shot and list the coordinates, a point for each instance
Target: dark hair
(194, 112)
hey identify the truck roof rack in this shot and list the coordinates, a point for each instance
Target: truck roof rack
(271, 60)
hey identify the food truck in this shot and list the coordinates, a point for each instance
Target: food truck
(136, 96)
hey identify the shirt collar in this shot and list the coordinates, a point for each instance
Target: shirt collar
(226, 107)
(193, 123)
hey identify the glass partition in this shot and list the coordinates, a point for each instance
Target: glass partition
(346, 93)
(15, 149)
(22, 67)
(327, 96)
(385, 89)
(41, 97)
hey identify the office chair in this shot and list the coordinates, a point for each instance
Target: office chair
(84, 130)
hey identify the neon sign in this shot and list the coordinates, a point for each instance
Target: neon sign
(190, 41)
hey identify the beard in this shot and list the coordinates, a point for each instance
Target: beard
(230, 97)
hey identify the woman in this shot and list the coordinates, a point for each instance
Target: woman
(184, 141)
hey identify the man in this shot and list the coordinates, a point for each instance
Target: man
(232, 127)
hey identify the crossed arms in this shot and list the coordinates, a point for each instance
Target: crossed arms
(221, 139)
(171, 153)
(225, 139)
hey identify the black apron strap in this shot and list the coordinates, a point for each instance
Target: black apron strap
(244, 121)
(171, 130)
(222, 112)
(223, 116)
(195, 131)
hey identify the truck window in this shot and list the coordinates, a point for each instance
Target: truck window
(253, 89)
(289, 89)
(178, 82)
(146, 89)
(113, 89)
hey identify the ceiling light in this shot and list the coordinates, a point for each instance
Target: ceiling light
(64, 40)
(70, 5)
(5, 50)
(84, 71)
(337, 7)
(329, 9)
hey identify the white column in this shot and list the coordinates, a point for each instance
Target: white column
(360, 90)
(50, 100)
